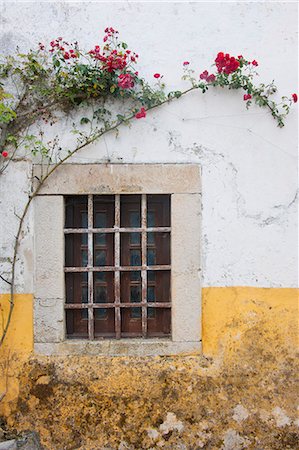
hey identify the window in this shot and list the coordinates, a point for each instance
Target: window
(117, 254)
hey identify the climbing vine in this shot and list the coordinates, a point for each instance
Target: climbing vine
(40, 87)
(61, 77)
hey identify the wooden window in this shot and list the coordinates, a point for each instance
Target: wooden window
(117, 266)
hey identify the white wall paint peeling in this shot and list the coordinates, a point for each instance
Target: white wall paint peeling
(249, 166)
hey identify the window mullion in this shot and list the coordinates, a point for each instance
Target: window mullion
(143, 262)
(90, 272)
(117, 265)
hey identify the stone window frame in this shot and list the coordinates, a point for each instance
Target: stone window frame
(183, 183)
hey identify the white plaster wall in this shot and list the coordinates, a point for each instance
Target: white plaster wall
(249, 166)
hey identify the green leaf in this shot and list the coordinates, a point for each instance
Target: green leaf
(84, 120)
(120, 117)
(112, 88)
(124, 45)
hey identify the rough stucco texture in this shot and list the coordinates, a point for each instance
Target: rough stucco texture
(241, 394)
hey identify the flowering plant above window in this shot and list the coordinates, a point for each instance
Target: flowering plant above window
(61, 76)
(239, 73)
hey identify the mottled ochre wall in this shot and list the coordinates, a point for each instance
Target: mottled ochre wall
(228, 312)
(240, 394)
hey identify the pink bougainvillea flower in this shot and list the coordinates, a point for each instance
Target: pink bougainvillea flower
(157, 75)
(295, 98)
(226, 63)
(125, 81)
(231, 65)
(5, 154)
(115, 62)
(240, 57)
(254, 63)
(247, 97)
(211, 78)
(66, 55)
(141, 114)
(186, 63)
(204, 75)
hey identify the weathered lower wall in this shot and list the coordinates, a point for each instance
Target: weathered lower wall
(240, 394)
(228, 314)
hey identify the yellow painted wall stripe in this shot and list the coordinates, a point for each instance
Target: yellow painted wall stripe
(227, 313)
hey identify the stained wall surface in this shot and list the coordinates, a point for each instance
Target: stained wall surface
(241, 392)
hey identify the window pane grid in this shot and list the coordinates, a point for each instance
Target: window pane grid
(140, 309)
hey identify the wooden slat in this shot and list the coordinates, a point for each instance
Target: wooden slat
(112, 305)
(90, 265)
(114, 230)
(116, 267)
(143, 262)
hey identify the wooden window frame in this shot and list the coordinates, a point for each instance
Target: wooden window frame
(116, 230)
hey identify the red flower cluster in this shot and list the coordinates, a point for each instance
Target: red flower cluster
(57, 45)
(125, 81)
(295, 98)
(186, 63)
(4, 154)
(110, 32)
(157, 75)
(115, 61)
(226, 63)
(70, 54)
(141, 114)
(254, 63)
(205, 76)
(95, 53)
(247, 97)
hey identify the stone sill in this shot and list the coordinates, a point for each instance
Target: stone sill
(122, 347)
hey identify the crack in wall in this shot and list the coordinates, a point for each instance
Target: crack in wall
(207, 157)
